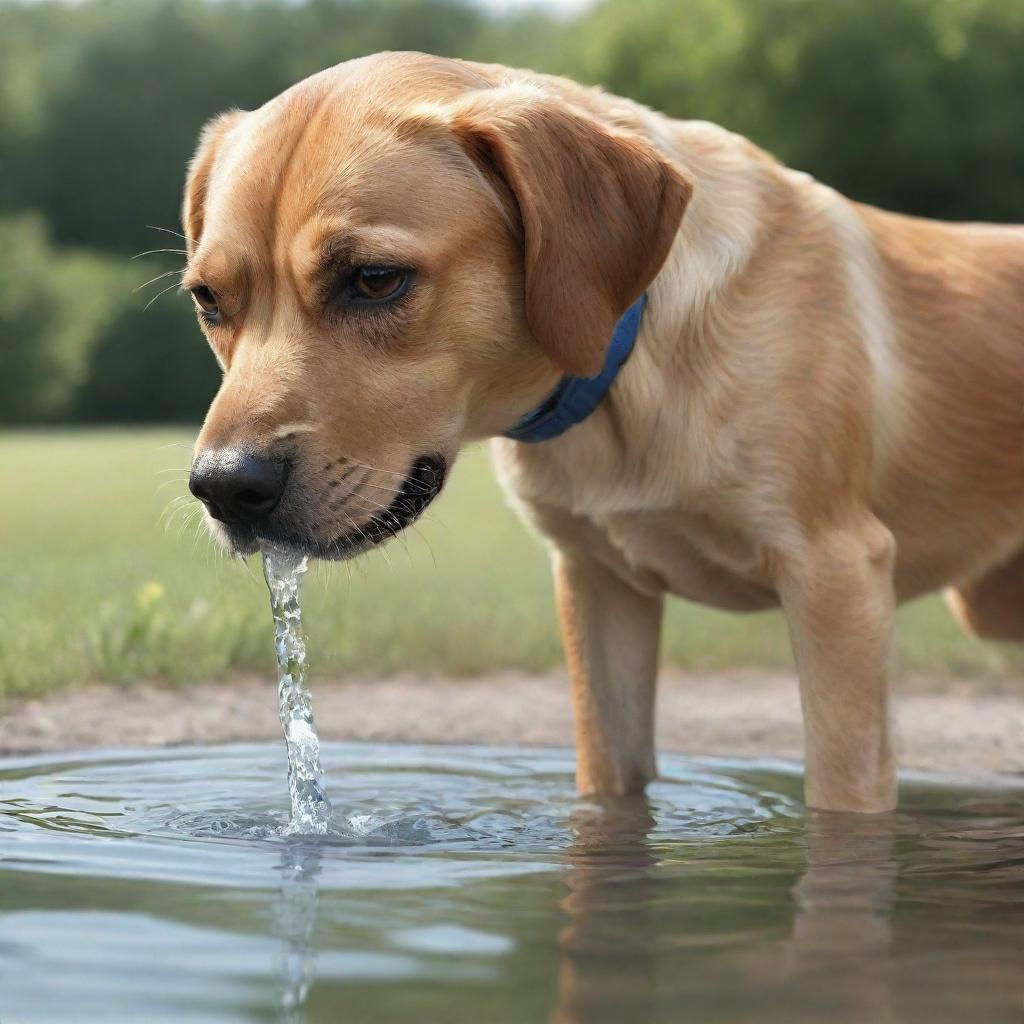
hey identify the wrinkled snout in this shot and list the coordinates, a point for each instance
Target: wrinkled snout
(237, 486)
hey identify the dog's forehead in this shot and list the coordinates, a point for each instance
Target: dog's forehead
(347, 144)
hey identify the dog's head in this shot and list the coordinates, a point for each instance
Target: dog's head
(391, 258)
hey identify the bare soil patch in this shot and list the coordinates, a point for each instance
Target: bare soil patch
(958, 728)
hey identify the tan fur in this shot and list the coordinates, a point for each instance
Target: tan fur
(824, 410)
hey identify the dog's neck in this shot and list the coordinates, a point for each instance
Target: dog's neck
(576, 398)
(602, 463)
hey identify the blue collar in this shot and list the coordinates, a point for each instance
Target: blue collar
(576, 398)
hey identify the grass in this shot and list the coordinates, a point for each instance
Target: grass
(99, 583)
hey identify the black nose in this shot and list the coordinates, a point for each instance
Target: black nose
(237, 486)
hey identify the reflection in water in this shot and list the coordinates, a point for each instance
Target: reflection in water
(607, 970)
(640, 946)
(835, 951)
(843, 912)
(295, 921)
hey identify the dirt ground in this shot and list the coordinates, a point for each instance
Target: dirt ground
(954, 727)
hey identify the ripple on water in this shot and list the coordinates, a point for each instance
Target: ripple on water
(445, 798)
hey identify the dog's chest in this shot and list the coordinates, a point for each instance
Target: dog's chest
(689, 556)
(681, 544)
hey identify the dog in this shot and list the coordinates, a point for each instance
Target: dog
(818, 405)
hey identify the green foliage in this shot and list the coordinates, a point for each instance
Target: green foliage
(146, 74)
(52, 307)
(150, 365)
(910, 104)
(77, 341)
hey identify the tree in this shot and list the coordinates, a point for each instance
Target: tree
(53, 306)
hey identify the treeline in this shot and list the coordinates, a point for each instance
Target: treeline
(910, 104)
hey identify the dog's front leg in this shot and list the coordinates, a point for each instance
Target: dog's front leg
(837, 592)
(611, 633)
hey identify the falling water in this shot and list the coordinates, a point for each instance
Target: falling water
(311, 810)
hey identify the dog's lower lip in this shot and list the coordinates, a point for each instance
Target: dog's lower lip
(422, 484)
(243, 540)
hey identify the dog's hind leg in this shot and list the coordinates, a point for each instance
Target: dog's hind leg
(611, 633)
(992, 606)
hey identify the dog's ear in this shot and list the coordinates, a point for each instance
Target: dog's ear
(599, 212)
(199, 169)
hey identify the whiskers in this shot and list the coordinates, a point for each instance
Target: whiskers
(183, 510)
(171, 231)
(177, 272)
(164, 291)
(153, 252)
(159, 277)
(174, 444)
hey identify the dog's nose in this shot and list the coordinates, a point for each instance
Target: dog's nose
(237, 486)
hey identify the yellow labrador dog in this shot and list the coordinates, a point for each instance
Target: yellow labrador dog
(722, 379)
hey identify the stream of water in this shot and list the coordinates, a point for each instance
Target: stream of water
(284, 570)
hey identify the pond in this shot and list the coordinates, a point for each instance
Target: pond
(470, 884)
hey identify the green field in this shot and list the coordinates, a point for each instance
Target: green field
(103, 577)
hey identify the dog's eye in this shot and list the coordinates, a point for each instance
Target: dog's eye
(207, 302)
(379, 284)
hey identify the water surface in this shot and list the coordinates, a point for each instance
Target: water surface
(469, 884)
